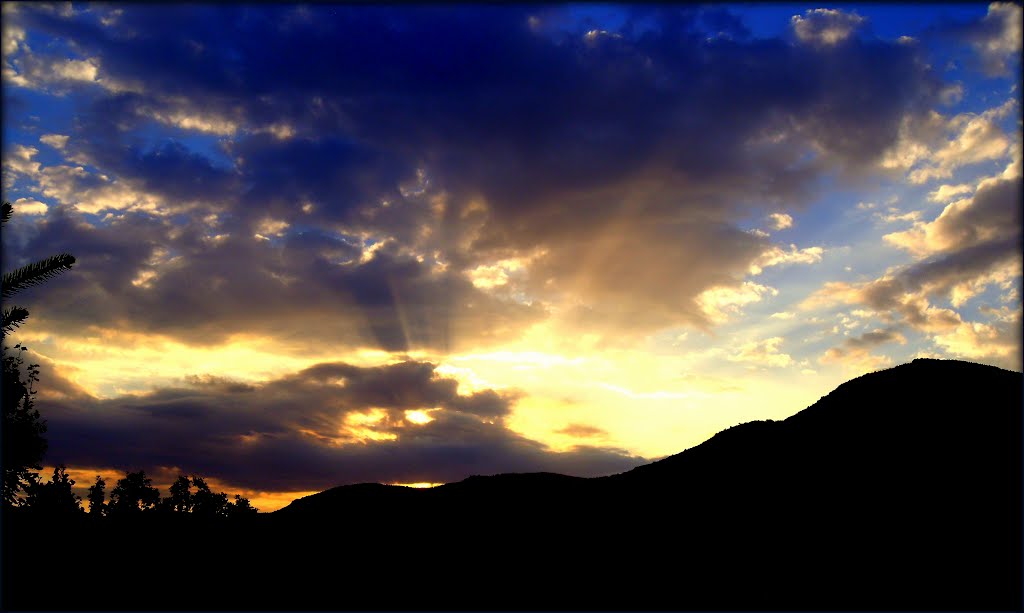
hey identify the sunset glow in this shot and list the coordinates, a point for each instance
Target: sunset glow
(329, 245)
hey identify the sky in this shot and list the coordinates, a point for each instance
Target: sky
(320, 245)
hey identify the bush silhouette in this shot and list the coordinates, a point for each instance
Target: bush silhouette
(23, 428)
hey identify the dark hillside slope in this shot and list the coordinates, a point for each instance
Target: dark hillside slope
(899, 490)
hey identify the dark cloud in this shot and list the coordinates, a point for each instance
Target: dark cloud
(856, 350)
(875, 337)
(995, 38)
(313, 292)
(582, 431)
(993, 215)
(477, 134)
(405, 386)
(292, 433)
(976, 238)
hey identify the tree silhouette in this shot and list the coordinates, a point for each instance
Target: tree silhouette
(133, 494)
(206, 503)
(181, 499)
(96, 496)
(27, 276)
(23, 442)
(241, 507)
(55, 496)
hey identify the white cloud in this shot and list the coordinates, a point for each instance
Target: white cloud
(997, 343)
(76, 70)
(719, 303)
(776, 256)
(825, 26)
(780, 221)
(40, 72)
(945, 193)
(29, 206)
(186, 120)
(57, 141)
(991, 214)
(999, 37)
(976, 138)
(19, 162)
(1003, 276)
(11, 38)
(91, 193)
(895, 215)
(763, 353)
(272, 227)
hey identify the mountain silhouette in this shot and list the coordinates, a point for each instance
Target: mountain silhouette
(900, 489)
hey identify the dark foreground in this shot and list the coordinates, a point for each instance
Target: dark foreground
(899, 490)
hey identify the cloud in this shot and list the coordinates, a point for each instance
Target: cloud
(45, 72)
(965, 271)
(777, 256)
(327, 425)
(721, 303)
(998, 342)
(202, 285)
(945, 193)
(856, 359)
(952, 94)
(854, 353)
(28, 206)
(18, 163)
(974, 244)
(569, 158)
(934, 147)
(582, 431)
(876, 337)
(12, 36)
(193, 121)
(825, 26)
(996, 38)
(895, 215)
(991, 215)
(763, 353)
(780, 221)
(329, 180)
(90, 192)
(57, 141)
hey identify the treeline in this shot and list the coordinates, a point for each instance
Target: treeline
(24, 444)
(131, 496)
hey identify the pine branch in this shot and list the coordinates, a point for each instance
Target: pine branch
(36, 273)
(12, 318)
(5, 211)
